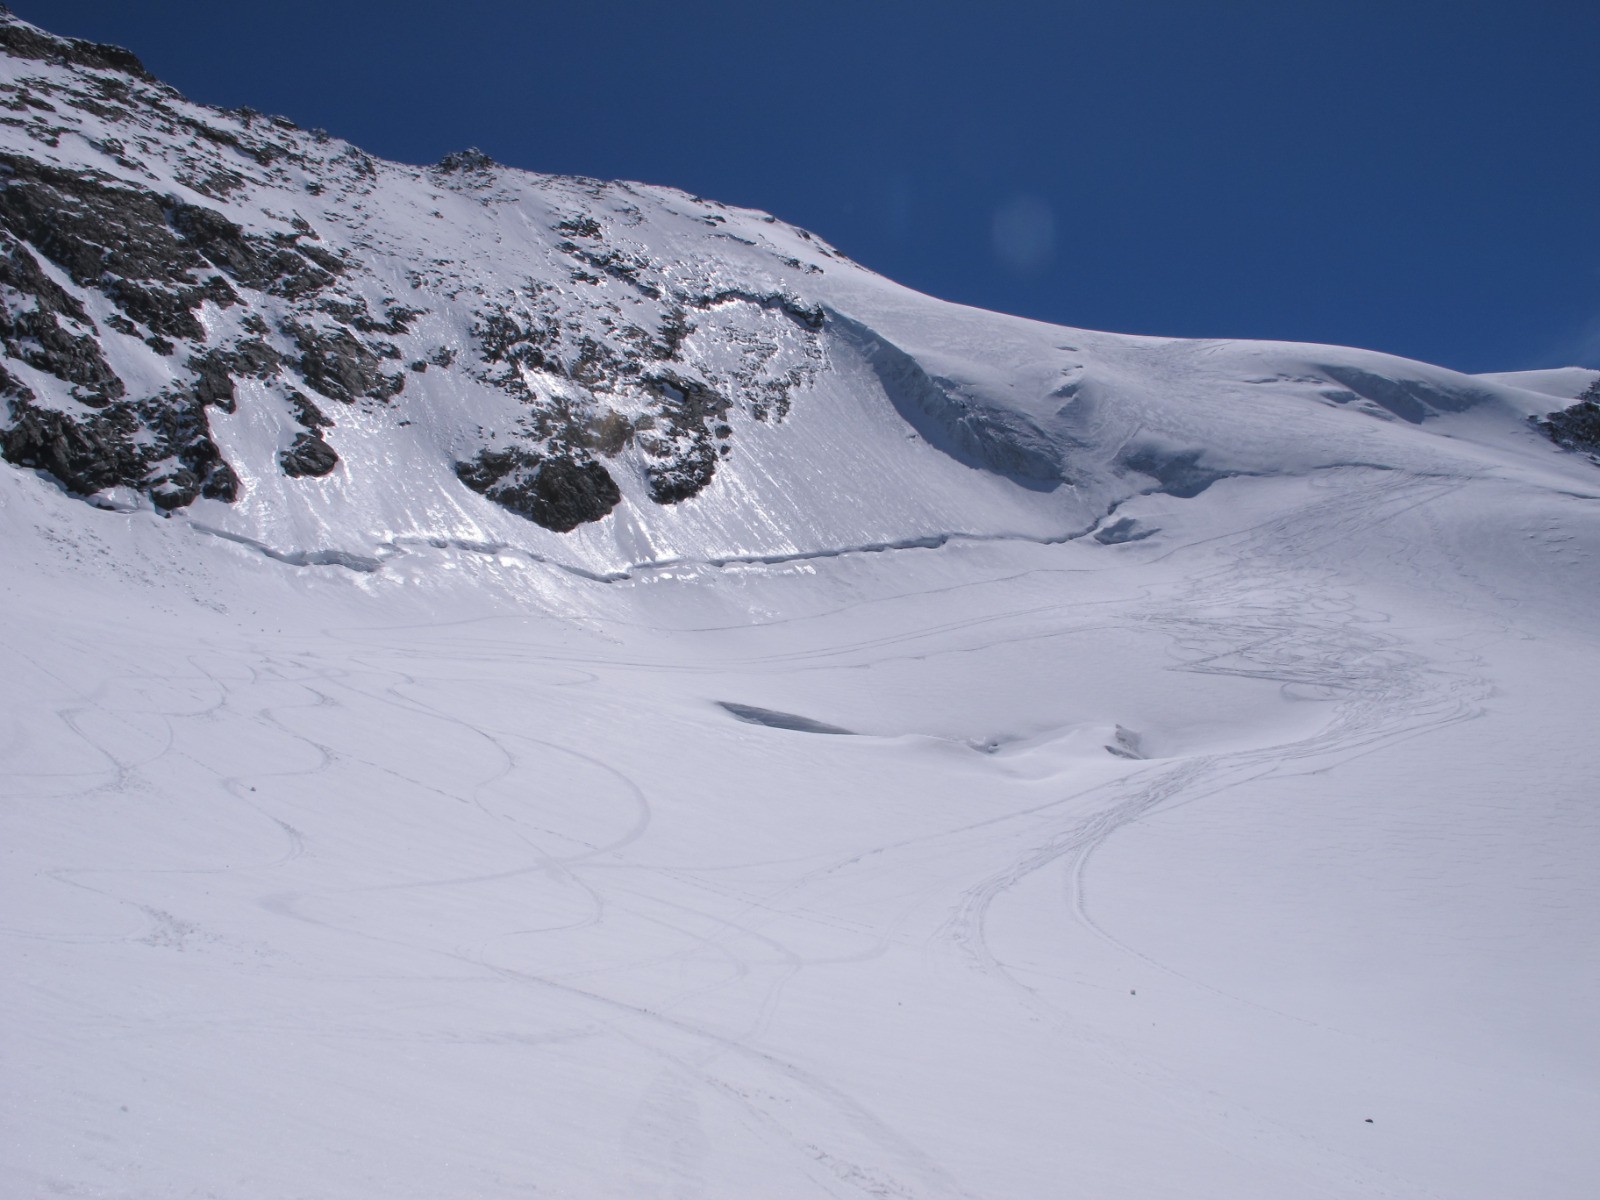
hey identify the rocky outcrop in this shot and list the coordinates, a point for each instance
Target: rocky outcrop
(43, 325)
(341, 366)
(621, 377)
(1578, 426)
(309, 455)
(85, 455)
(217, 370)
(684, 440)
(154, 259)
(161, 446)
(114, 238)
(24, 41)
(159, 263)
(559, 493)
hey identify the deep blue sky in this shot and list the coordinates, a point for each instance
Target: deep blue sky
(1422, 178)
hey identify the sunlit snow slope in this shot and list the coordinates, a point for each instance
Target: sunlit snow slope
(519, 686)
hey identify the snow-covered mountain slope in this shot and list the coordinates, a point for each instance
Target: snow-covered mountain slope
(294, 343)
(454, 740)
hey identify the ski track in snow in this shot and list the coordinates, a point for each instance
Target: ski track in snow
(1217, 820)
(699, 961)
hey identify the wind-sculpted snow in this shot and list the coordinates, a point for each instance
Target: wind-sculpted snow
(989, 438)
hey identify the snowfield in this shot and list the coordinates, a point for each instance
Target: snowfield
(1254, 857)
(953, 756)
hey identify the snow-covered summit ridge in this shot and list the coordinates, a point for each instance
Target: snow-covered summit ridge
(295, 344)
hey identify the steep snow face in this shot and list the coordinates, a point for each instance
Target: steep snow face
(299, 345)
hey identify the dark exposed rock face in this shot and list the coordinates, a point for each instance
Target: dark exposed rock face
(47, 328)
(1577, 427)
(175, 461)
(183, 429)
(157, 265)
(686, 411)
(307, 413)
(216, 370)
(159, 262)
(23, 42)
(342, 367)
(114, 238)
(85, 456)
(470, 159)
(641, 357)
(278, 265)
(309, 455)
(558, 493)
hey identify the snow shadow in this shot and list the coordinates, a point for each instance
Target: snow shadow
(975, 434)
(780, 720)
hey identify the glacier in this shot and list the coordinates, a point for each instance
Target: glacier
(519, 685)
